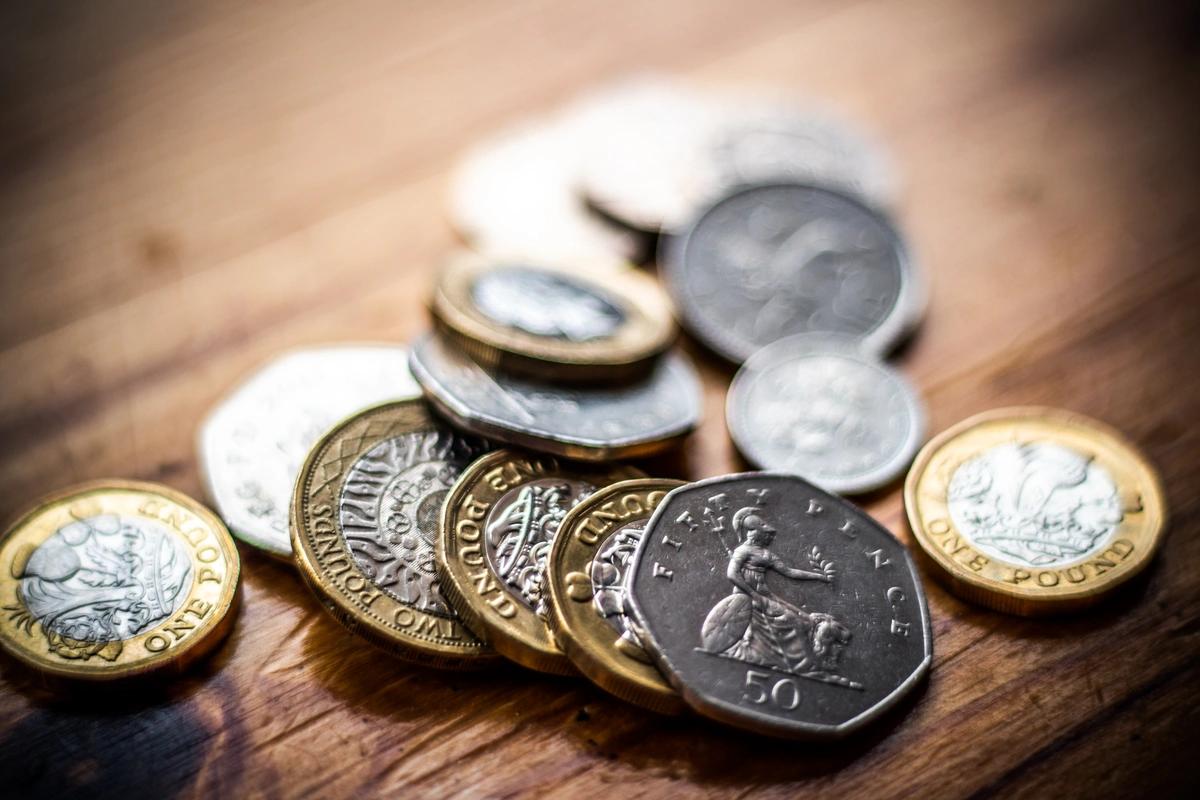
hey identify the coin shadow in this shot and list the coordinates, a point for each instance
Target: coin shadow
(704, 751)
(1070, 626)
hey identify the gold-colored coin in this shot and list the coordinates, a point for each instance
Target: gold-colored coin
(585, 580)
(1034, 510)
(113, 579)
(498, 525)
(364, 518)
(552, 324)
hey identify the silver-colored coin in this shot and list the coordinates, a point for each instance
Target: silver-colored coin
(777, 607)
(253, 443)
(660, 152)
(514, 196)
(814, 405)
(593, 423)
(772, 260)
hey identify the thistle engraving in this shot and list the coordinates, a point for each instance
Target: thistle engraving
(99, 581)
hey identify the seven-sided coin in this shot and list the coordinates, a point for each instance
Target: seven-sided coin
(114, 579)
(253, 443)
(586, 578)
(592, 423)
(498, 525)
(1034, 510)
(815, 405)
(775, 606)
(364, 520)
(550, 323)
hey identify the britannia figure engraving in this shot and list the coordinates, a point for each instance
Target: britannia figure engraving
(756, 626)
(545, 305)
(1036, 503)
(99, 581)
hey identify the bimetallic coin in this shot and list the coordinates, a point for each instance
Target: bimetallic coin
(1034, 510)
(114, 579)
(498, 525)
(586, 580)
(777, 607)
(514, 196)
(814, 405)
(365, 518)
(772, 260)
(252, 444)
(549, 323)
(596, 423)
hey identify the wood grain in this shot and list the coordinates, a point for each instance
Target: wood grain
(187, 188)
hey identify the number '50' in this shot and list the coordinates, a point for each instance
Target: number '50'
(783, 694)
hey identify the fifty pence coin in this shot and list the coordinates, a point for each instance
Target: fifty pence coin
(595, 423)
(514, 196)
(774, 606)
(814, 405)
(364, 522)
(114, 579)
(772, 260)
(550, 323)
(498, 525)
(1034, 510)
(252, 444)
(586, 578)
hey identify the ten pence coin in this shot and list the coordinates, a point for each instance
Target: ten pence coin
(114, 579)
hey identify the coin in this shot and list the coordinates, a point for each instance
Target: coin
(777, 607)
(252, 444)
(596, 423)
(549, 323)
(662, 151)
(771, 260)
(113, 579)
(498, 525)
(586, 584)
(364, 521)
(1034, 510)
(514, 196)
(814, 405)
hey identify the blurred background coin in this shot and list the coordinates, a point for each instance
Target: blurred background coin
(498, 524)
(594, 423)
(514, 195)
(777, 607)
(550, 323)
(114, 579)
(771, 260)
(814, 405)
(364, 520)
(252, 444)
(1034, 510)
(586, 577)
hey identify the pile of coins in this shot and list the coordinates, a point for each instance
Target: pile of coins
(463, 501)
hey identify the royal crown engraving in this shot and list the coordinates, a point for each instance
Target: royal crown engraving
(98, 582)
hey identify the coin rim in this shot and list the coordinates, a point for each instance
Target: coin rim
(423, 650)
(749, 719)
(570, 447)
(646, 330)
(527, 640)
(737, 411)
(175, 659)
(880, 341)
(634, 682)
(1035, 600)
(206, 433)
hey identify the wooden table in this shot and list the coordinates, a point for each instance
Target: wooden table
(188, 188)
